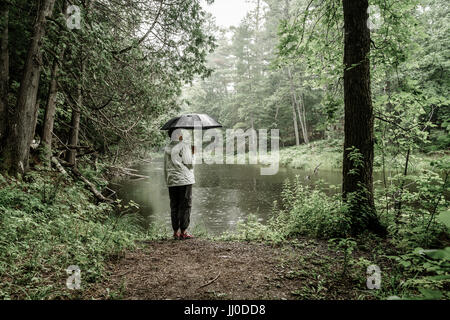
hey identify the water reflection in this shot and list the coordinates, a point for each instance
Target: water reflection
(222, 195)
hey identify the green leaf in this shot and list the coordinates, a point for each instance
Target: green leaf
(431, 294)
(444, 218)
(442, 254)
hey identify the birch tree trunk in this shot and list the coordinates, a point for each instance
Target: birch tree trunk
(294, 117)
(294, 106)
(302, 117)
(304, 120)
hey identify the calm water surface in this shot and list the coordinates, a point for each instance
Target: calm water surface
(222, 194)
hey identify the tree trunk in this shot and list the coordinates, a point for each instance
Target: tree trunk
(294, 114)
(294, 118)
(301, 117)
(50, 108)
(22, 128)
(294, 103)
(49, 116)
(357, 176)
(301, 113)
(75, 128)
(4, 73)
(76, 110)
(303, 122)
(76, 115)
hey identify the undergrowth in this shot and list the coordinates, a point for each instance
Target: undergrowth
(49, 223)
(415, 257)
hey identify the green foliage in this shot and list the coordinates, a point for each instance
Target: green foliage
(428, 272)
(253, 230)
(305, 211)
(130, 83)
(347, 246)
(47, 225)
(357, 160)
(247, 87)
(325, 154)
(311, 212)
(414, 206)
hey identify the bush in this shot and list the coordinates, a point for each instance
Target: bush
(304, 211)
(311, 212)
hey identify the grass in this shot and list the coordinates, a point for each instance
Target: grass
(328, 154)
(307, 157)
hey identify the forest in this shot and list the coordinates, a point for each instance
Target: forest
(358, 89)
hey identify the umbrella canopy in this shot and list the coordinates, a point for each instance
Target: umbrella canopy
(192, 121)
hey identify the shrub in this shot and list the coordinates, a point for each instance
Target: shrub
(312, 212)
(305, 211)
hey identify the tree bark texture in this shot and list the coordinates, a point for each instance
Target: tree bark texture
(359, 118)
(4, 73)
(22, 128)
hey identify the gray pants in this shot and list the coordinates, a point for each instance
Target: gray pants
(180, 206)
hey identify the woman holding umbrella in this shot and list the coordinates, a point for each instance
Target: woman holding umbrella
(179, 169)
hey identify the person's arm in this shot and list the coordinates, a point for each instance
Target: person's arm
(187, 156)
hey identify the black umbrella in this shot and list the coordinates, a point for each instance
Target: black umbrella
(192, 121)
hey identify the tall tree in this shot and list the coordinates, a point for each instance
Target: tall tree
(50, 107)
(22, 129)
(294, 104)
(76, 106)
(359, 138)
(4, 71)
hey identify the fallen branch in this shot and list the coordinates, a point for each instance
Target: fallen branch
(316, 169)
(91, 186)
(126, 171)
(59, 166)
(136, 175)
(123, 169)
(113, 193)
(207, 284)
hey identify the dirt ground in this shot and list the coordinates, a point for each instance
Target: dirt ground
(201, 269)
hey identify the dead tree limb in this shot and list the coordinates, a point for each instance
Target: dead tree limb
(59, 166)
(91, 186)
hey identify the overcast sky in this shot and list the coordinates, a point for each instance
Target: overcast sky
(228, 12)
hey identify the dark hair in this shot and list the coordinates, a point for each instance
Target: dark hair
(169, 132)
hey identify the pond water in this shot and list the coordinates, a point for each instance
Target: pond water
(222, 194)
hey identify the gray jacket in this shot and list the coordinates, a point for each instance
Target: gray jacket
(178, 164)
